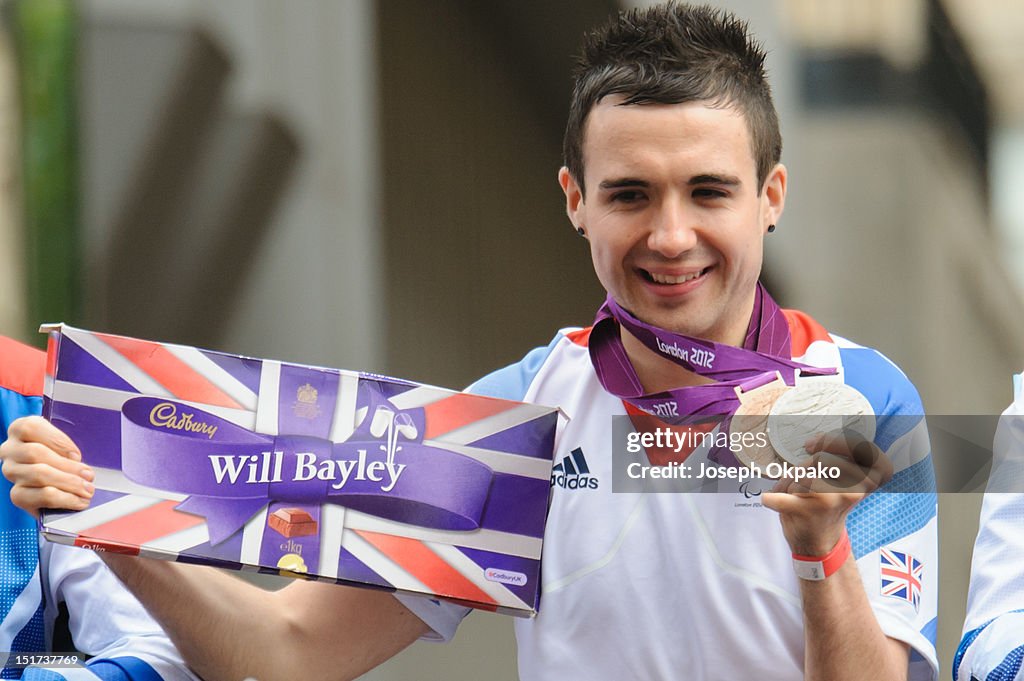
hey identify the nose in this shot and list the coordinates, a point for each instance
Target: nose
(672, 231)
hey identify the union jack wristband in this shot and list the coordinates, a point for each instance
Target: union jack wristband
(817, 568)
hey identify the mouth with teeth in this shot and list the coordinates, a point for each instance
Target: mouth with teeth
(672, 280)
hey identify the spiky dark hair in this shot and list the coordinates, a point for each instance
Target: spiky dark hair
(671, 54)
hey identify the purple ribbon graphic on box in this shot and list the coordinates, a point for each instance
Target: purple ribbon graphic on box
(231, 473)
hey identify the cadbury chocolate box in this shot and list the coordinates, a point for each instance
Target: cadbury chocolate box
(205, 457)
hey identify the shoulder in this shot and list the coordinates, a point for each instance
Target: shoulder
(22, 367)
(513, 381)
(869, 371)
(21, 381)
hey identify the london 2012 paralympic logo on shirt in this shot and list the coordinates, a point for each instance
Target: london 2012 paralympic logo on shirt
(749, 492)
(573, 472)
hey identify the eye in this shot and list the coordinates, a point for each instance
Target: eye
(627, 196)
(708, 193)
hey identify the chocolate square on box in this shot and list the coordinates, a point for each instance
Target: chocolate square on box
(292, 522)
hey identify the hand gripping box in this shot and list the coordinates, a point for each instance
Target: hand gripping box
(205, 457)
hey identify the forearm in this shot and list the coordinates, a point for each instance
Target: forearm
(105, 621)
(844, 641)
(223, 627)
(229, 630)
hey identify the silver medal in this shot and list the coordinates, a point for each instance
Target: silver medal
(817, 406)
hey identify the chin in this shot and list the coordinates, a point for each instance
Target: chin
(683, 326)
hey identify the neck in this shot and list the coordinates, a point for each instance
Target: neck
(657, 373)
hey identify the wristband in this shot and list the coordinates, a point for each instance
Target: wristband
(817, 568)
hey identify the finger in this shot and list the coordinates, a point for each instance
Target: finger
(34, 499)
(771, 499)
(782, 502)
(849, 444)
(37, 429)
(840, 478)
(38, 475)
(852, 446)
(790, 486)
(36, 465)
(36, 453)
(842, 475)
(854, 477)
(799, 479)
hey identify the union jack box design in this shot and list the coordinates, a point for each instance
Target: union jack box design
(248, 464)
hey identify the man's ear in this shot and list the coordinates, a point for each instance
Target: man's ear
(774, 195)
(573, 197)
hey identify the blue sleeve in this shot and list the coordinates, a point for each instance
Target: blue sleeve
(124, 668)
(14, 405)
(117, 669)
(512, 382)
(901, 432)
(993, 651)
(898, 522)
(992, 646)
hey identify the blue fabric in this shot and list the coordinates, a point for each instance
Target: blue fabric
(882, 518)
(961, 650)
(892, 396)
(41, 675)
(123, 669)
(1008, 668)
(908, 501)
(512, 382)
(931, 630)
(14, 405)
(966, 642)
(19, 551)
(23, 615)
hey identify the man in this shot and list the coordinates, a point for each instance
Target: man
(672, 175)
(992, 647)
(105, 620)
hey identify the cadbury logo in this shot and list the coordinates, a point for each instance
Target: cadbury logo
(165, 415)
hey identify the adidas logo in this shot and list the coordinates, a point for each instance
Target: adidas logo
(573, 472)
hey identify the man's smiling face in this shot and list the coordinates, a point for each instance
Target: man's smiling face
(673, 213)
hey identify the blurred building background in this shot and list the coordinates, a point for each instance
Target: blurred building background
(371, 185)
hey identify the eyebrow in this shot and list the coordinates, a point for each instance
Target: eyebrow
(623, 182)
(707, 178)
(728, 180)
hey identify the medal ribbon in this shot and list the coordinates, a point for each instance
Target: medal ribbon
(765, 351)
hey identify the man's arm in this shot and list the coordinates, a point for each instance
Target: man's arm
(843, 638)
(228, 629)
(105, 620)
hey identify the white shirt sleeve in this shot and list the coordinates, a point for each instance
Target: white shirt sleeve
(443, 618)
(105, 619)
(992, 646)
